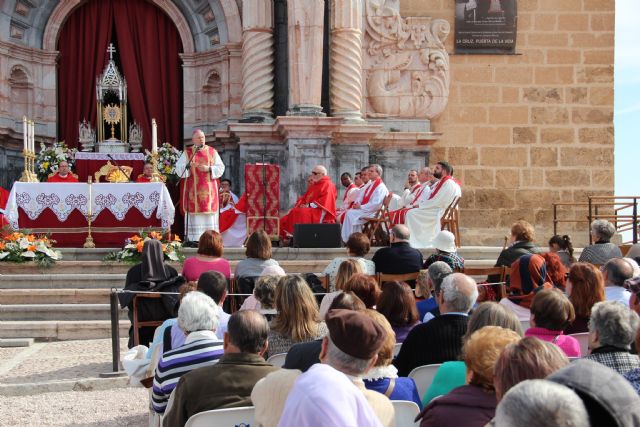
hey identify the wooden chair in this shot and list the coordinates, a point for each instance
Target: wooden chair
(382, 277)
(326, 281)
(501, 272)
(449, 220)
(137, 325)
(374, 226)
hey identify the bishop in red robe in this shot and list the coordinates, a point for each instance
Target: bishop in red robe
(64, 174)
(147, 173)
(316, 206)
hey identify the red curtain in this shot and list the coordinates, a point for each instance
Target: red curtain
(83, 45)
(149, 45)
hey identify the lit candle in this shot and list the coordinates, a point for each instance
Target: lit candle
(154, 136)
(24, 132)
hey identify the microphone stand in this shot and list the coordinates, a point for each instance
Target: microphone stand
(187, 240)
(119, 168)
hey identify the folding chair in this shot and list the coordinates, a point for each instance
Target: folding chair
(423, 376)
(405, 413)
(449, 220)
(277, 359)
(232, 417)
(583, 339)
(374, 226)
(406, 277)
(137, 325)
(496, 272)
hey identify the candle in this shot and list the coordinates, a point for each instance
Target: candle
(32, 147)
(24, 132)
(89, 210)
(154, 136)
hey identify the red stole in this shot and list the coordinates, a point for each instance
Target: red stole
(4, 198)
(440, 183)
(346, 192)
(228, 217)
(57, 178)
(142, 178)
(418, 194)
(201, 191)
(369, 192)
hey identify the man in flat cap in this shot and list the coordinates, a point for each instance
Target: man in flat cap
(330, 393)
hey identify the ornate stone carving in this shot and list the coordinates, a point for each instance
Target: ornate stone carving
(346, 59)
(257, 58)
(406, 62)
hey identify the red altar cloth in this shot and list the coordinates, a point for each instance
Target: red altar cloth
(87, 164)
(263, 204)
(104, 228)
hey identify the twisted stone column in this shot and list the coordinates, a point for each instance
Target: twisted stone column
(346, 59)
(257, 58)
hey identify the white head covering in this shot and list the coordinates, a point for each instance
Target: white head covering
(445, 241)
(325, 397)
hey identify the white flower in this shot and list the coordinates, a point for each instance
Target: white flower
(3, 255)
(28, 254)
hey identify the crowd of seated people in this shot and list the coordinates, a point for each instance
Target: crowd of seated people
(350, 353)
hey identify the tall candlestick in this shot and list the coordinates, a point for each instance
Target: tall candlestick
(154, 136)
(33, 137)
(24, 132)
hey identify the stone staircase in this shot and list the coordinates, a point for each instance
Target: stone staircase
(71, 299)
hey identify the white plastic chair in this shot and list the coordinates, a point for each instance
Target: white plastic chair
(277, 359)
(423, 376)
(405, 412)
(396, 349)
(583, 339)
(232, 417)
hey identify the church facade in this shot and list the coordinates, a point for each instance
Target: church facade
(348, 82)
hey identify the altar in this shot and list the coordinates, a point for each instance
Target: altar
(61, 210)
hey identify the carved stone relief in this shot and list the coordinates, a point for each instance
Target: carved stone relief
(406, 64)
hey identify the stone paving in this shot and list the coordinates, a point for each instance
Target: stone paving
(45, 364)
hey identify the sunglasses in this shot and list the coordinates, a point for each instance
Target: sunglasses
(315, 173)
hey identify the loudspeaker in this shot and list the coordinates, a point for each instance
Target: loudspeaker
(317, 236)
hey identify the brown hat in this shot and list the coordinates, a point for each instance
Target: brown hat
(355, 333)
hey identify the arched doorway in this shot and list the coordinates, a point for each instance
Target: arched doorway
(148, 48)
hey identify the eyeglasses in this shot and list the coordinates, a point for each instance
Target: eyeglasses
(315, 173)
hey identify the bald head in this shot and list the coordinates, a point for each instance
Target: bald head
(459, 293)
(400, 233)
(247, 332)
(198, 137)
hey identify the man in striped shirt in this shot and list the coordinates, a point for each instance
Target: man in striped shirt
(198, 318)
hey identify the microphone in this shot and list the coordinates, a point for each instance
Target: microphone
(119, 168)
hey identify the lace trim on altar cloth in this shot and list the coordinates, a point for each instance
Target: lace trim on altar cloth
(63, 199)
(103, 156)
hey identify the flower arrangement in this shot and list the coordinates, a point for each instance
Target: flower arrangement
(49, 158)
(168, 156)
(132, 251)
(19, 247)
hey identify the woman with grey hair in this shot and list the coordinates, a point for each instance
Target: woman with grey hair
(198, 318)
(602, 250)
(612, 329)
(540, 403)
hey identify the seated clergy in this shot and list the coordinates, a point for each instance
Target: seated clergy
(228, 383)
(316, 206)
(424, 222)
(4, 198)
(63, 174)
(227, 198)
(233, 223)
(411, 187)
(413, 200)
(369, 201)
(350, 194)
(147, 173)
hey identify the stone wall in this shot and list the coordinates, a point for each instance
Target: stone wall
(524, 131)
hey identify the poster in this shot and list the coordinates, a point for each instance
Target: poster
(486, 26)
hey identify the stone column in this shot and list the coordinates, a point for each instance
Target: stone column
(257, 58)
(346, 60)
(305, 25)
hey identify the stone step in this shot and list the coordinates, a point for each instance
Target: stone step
(61, 329)
(54, 296)
(61, 281)
(281, 254)
(56, 312)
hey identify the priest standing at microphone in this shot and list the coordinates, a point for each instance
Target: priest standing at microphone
(199, 188)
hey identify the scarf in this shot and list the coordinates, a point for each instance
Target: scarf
(153, 268)
(440, 184)
(369, 192)
(528, 276)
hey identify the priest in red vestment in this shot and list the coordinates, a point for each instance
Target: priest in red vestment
(147, 173)
(64, 174)
(317, 205)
